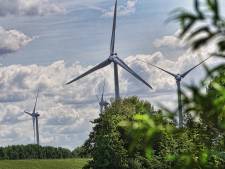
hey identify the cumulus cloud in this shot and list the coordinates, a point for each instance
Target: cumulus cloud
(66, 111)
(12, 40)
(171, 41)
(28, 7)
(126, 9)
(165, 82)
(61, 116)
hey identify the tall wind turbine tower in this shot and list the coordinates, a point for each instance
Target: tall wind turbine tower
(113, 58)
(35, 115)
(178, 78)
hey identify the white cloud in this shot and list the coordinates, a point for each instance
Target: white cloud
(12, 40)
(160, 80)
(66, 111)
(126, 9)
(28, 7)
(171, 41)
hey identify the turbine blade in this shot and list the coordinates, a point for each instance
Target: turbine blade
(34, 110)
(101, 65)
(113, 31)
(28, 113)
(101, 109)
(103, 90)
(97, 98)
(102, 98)
(187, 72)
(127, 68)
(172, 74)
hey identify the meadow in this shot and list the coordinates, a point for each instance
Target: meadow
(43, 164)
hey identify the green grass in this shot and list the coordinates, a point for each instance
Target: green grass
(43, 164)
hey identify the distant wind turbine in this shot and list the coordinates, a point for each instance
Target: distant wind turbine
(178, 78)
(102, 102)
(113, 58)
(35, 116)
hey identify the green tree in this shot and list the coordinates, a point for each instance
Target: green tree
(109, 143)
(80, 152)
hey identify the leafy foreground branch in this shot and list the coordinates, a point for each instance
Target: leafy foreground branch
(204, 26)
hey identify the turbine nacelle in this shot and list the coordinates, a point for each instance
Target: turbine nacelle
(103, 103)
(178, 77)
(112, 57)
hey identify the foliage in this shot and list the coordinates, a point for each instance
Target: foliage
(18, 152)
(190, 147)
(80, 152)
(109, 144)
(202, 26)
(43, 164)
(208, 106)
(201, 143)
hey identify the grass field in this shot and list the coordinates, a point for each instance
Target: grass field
(44, 164)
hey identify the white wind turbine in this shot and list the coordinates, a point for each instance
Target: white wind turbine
(102, 102)
(178, 78)
(35, 115)
(113, 58)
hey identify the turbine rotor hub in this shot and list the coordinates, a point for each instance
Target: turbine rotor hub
(103, 103)
(178, 77)
(112, 56)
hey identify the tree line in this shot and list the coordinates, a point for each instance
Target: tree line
(31, 151)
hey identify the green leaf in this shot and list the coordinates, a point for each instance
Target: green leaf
(204, 157)
(221, 45)
(214, 7)
(187, 27)
(200, 42)
(199, 31)
(170, 157)
(197, 9)
(149, 153)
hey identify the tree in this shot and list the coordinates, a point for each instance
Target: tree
(80, 152)
(109, 144)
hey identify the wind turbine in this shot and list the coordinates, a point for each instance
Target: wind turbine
(113, 58)
(102, 102)
(178, 78)
(35, 116)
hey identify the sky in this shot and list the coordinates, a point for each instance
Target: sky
(45, 43)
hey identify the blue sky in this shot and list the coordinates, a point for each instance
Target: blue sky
(45, 43)
(72, 36)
